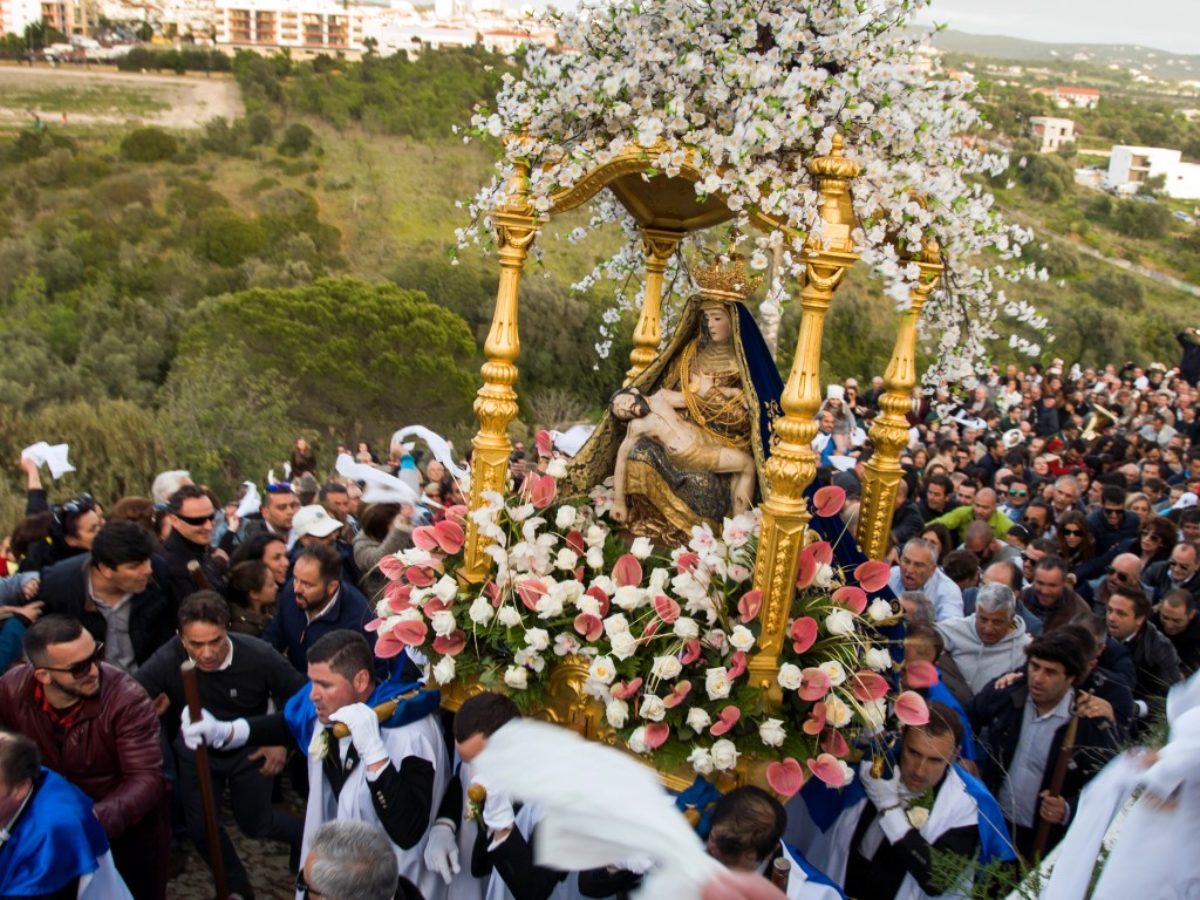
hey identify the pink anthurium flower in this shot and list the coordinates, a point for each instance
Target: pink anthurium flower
(451, 644)
(868, 685)
(419, 576)
(391, 566)
(425, 538)
(650, 630)
(816, 719)
(434, 605)
(737, 664)
(872, 575)
(822, 552)
(623, 691)
(373, 625)
(804, 633)
(726, 719)
(828, 769)
(574, 541)
(388, 646)
(542, 490)
(531, 590)
(911, 708)
(450, 536)
(685, 562)
(815, 686)
(750, 605)
(691, 652)
(806, 569)
(667, 609)
(411, 632)
(677, 696)
(545, 443)
(853, 598)
(491, 590)
(590, 626)
(601, 598)
(457, 514)
(785, 777)
(627, 571)
(833, 743)
(920, 674)
(656, 734)
(829, 500)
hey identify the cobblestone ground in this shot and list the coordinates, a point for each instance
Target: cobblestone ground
(266, 861)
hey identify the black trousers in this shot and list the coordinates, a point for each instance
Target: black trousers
(250, 797)
(143, 853)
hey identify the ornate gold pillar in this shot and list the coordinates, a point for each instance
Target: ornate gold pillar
(793, 465)
(889, 434)
(658, 245)
(516, 226)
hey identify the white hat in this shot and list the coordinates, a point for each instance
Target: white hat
(1186, 501)
(835, 392)
(315, 522)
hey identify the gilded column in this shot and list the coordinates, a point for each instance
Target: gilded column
(516, 226)
(658, 245)
(793, 465)
(889, 434)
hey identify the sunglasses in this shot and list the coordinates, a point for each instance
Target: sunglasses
(1150, 536)
(1073, 532)
(1114, 513)
(1120, 576)
(195, 520)
(83, 667)
(1015, 493)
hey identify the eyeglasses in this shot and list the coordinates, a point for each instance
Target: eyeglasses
(1016, 493)
(83, 667)
(1073, 532)
(195, 520)
(1120, 576)
(302, 887)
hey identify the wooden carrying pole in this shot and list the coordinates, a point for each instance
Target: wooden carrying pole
(1042, 835)
(208, 803)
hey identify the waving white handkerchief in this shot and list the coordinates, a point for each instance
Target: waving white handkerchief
(379, 486)
(438, 444)
(52, 455)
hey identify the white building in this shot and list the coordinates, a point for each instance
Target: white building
(1066, 97)
(17, 15)
(1051, 133)
(315, 26)
(1129, 167)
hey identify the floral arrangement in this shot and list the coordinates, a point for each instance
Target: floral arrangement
(751, 91)
(666, 636)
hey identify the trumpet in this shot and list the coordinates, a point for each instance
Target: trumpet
(1100, 419)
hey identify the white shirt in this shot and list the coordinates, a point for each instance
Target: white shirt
(944, 594)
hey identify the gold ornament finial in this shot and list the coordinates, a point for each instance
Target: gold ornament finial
(725, 279)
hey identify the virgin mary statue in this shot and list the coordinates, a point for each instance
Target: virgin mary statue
(687, 439)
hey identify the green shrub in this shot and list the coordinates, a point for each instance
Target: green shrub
(260, 128)
(296, 140)
(227, 238)
(149, 145)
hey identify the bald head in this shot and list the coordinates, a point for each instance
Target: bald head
(985, 503)
(1126, 568)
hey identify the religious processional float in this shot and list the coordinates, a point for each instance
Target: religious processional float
(677, 588)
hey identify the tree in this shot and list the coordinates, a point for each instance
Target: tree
(259, 125)
(358, 354)
(1046, 177)
(296, 140)
(1142, 220)
(148, 145)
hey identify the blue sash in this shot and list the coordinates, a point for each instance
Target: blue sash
(57, 839)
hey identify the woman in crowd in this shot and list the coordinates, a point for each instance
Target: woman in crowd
(1155, 541)
(268, 549)
(251, 591)
(384, 530)
(1075, 542)
(939, 535)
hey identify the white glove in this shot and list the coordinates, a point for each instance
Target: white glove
(441, 850)
(364, 732)
(884, 793)
(498, 813)
(213, 732)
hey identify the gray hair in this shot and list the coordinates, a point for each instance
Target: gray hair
(167, 483)
(353, 861)
(994, 597)
(923, 614)
(921, 542)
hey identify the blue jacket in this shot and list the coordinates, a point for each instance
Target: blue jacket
(291, 633)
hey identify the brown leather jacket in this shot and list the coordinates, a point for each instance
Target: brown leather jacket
(111, 751)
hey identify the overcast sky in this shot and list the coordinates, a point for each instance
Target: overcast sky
(1172, 25)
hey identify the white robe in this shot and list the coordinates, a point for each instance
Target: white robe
(423, 739)
(465, 886)
(105, 883)
(526, 820)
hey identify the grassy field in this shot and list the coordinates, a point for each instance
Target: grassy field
(102, 100)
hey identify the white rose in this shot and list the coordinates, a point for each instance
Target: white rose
(879, 610)
(837, 713)
(725, 754)
(823, 577)
(698, 719)
(652, 708)
(566, 559)
(616, 712)
(565, 517)
(840, 622)
(701, 760)
(446, 589)
(602, 670)
(637, 741)
(715, 638)
(509, 617)
(641, 547)
(658, 581)
(606, 584)
(666, 667)
(443, 623)
(594, 537)
(481, 611)
(537, 639)
(556, 468)
(918, 816)
(741, 638)
(548, 606)
(716, 683)
(588, 604)
(615, 624)
(629, 598)
(771, 732)
(443, 672)
(516, 677)
(874, 713)
(686, 628)
(790, 677)
(595, 558)
(624, 645)
(878, 658)
(834, 672)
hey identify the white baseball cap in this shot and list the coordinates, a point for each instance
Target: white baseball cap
(314, 521)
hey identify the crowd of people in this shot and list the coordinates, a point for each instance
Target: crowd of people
(1044, 551)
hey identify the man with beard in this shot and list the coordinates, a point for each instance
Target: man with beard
(95, 726)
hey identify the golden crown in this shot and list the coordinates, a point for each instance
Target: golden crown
(726, 279)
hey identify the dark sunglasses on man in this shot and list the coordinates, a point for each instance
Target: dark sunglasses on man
(1120, 576)
(195, 520)
(83, 667)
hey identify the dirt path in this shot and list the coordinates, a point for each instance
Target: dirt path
(189, 100)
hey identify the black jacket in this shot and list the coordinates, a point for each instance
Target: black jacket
(175, 554)
(907, 523)
(513, 862)
(1157, 665)
(1187, 643)
(996, 718)
(151, 621)
(1157, 577)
